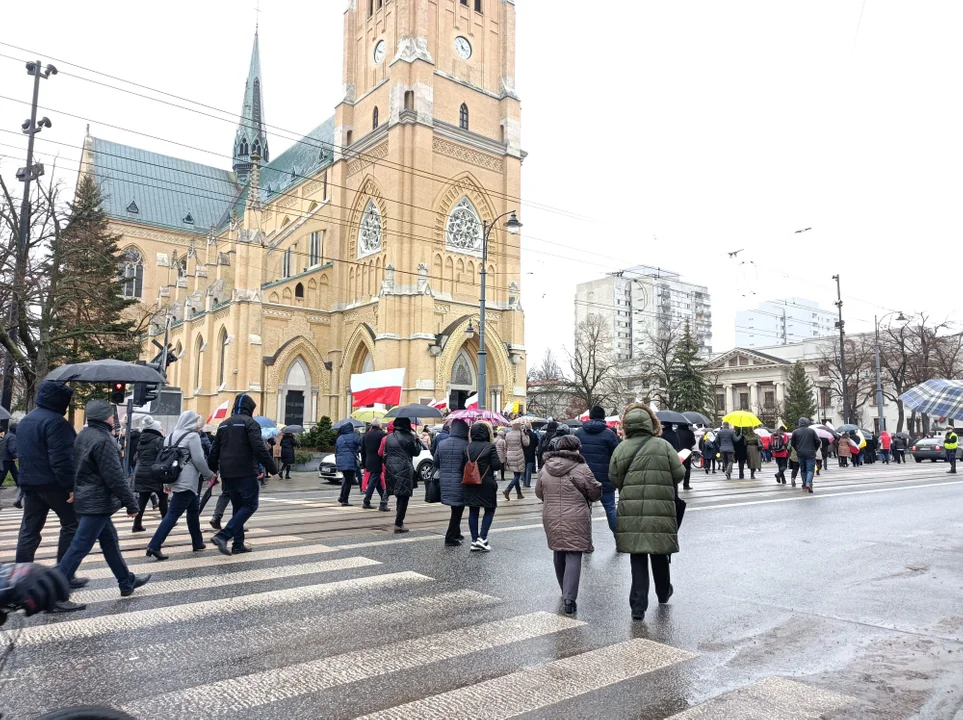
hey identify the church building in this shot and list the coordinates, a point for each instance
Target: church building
(359, 248)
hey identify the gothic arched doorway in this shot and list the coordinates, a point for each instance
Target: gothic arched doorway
(294, 395)
(463, 383)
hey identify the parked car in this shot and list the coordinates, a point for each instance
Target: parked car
(931, 449)
(328, 468)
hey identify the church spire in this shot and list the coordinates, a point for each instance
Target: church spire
(251, 136)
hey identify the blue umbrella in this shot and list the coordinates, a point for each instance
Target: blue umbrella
(936, 398)
(268, 433)
(347, 421)
(265, 422)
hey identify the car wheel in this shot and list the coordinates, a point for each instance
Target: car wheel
(919, 460)
(425, 471)
(933, 459)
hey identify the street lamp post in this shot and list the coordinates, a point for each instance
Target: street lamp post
(879, 378)
(513, 226)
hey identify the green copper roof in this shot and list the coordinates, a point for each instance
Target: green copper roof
(302, 160)
(251, 135)
(154, 189)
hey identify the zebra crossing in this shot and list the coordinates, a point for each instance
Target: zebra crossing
(342, 629)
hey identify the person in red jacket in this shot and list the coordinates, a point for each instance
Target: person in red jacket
(885, 443)
(779, 447)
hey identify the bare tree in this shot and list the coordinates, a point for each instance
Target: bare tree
(657, 351)
(860, 371)
(549, 391)
(595, 377)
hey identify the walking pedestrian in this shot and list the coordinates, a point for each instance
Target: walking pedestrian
(289, 445)
(531, 454)
(671, 436)
(567, 487)
(517, 440)
(145, 484)
(598, 443)
(101, 489)
(47, 468)
(688, 442)
(806, 443)
(753, 454)
(400, 447)
(899, 449)
(425, 437)
(481, 450)
(779, 445)
(707, 445)
(740, 454)
(9, 457)
(501, 447)
(194, 469)
(824, 455)
(885, 443)
(545, 441)
(793, 464)
(950, 442)
(346, 450)
(238, 451)
(646, 471)
(373, 467)
(725, 442)
(844, 450)
(450, 460)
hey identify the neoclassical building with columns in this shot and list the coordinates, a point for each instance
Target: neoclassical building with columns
(359, 247)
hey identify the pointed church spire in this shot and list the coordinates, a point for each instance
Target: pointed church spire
(251, 136)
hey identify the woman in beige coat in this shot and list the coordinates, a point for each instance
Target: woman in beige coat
(844, 449)
(515, 443)
(566, 486)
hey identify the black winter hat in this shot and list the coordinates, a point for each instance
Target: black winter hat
(597, 413)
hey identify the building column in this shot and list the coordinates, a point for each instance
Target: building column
(730, 406)
(780, 392)
(753, 396)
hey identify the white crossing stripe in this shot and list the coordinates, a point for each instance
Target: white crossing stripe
(126, 540)
(77, 661)
(228, 697)
(140, 619)
(773, 697)
(212, 558)
(528, 690)
(202, 582)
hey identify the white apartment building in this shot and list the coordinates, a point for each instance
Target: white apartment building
(636, 302)
(783, 322)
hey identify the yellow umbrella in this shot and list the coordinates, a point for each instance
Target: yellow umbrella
(366, 415)
(742, 418)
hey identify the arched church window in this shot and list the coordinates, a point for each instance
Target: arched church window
(223, 359)
(369, 237)
(464, 228)
(299, 291)
(131, 271)
(198, 360)
(463, 117)
(257, 149)
(368, 364)
(182, 267)
(374, 119)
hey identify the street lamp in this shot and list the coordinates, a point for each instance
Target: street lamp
(879, 380)
(513, 226)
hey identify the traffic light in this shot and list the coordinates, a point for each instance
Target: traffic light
(145, 393)
(117, 393)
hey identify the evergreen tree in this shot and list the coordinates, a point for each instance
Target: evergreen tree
(799, 397)
(688, 388)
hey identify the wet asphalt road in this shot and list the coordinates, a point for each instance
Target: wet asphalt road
(843, 604)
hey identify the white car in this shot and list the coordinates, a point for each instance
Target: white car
(328, 469)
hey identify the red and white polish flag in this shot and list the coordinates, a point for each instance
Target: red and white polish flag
(472, 402)
(380, 386)
(439, 404)
(220, 413)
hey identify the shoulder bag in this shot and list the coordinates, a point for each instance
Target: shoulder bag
(471, 475)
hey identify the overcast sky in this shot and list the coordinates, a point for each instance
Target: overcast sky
(676, 132)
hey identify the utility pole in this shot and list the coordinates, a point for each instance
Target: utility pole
(25, 175)
(842, 351)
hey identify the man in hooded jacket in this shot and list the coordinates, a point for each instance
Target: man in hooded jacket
(238, 450)
(400, 447)
(46, 448)
(806, 443)
(598, 444)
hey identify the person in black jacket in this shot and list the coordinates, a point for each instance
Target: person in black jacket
(481, 450)
(531, 453)
(237, 452)
(688, 442)
(806, 443)
(100, 490)
(598, 443)
(450, 460)
(741, 451)
(371, 463)
(142, 461)
(10, 461)
(289, 445)
(46, 447)
(400, 447)
(543, 445)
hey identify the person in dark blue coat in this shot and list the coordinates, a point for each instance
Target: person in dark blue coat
(598, 444)
(346, 449)
(450, 460)
(9, 458)
(46, 448)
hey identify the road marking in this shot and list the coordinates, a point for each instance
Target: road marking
(529, 690)
(210, 559)
(195, 651)
(772, 697)
(126, 541)
(228, 697)
(202, 582)
(140, 619)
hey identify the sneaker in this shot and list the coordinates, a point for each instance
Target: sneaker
(216, 524)
(139, 581)
(78, 582)
(483, 544)
(476, 546)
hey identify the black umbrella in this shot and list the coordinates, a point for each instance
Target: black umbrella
(4, 415)
(672, 417)
(292, 430)
(697, 418)
(574, 422)
(415, 412)
(105, 371)
(347, 421)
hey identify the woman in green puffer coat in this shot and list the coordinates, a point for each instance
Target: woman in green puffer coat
(646, 470)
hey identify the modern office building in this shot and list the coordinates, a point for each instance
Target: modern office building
(782, 322)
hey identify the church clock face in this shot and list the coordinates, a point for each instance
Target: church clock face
(379, 52)
(463, 47)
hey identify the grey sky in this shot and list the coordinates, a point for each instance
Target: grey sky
(710, 126)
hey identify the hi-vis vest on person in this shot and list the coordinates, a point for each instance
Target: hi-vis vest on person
(950, 441)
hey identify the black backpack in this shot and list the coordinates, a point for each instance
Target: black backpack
(776, 443)
(169, 463)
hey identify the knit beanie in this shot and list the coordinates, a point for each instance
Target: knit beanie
(597, 413)
(98, 410)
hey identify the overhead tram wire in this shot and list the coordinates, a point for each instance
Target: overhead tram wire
(297, 137)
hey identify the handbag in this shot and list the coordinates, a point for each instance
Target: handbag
(470, 475)
(433, 490)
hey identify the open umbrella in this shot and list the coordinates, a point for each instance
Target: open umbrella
(742, 418)
(366, 415)
(574, 422)
(697, 418)
(762, 432)
(268, 433)
(293, 429)
(415, 412)
(824, 433)
(471, 416)
(347, 421)
(106, 371)
(265, 422)
(4, 414)
(849, 427)
(937, 398)
(674, 418)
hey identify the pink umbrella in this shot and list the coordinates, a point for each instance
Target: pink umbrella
(475, 415)
(822, 433)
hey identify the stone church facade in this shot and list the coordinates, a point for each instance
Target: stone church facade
(357, 249)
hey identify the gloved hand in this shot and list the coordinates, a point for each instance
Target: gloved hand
(32, 587)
